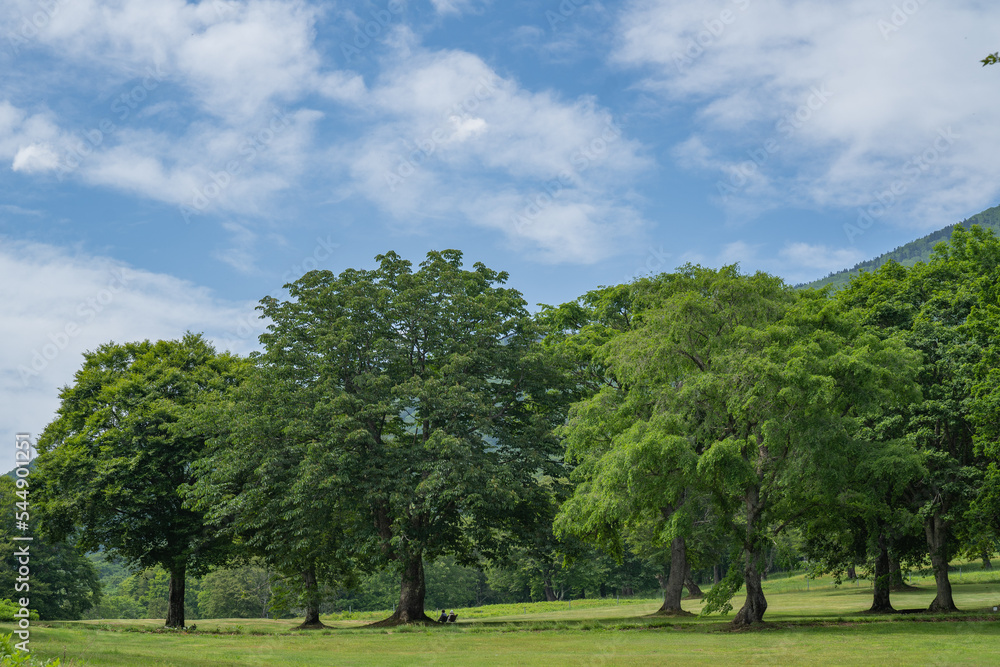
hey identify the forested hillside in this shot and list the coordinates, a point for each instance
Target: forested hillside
(911, 253)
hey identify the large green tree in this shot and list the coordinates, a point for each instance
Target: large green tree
(273, 476)
(745, 389)
(868, 519)
(114, 460)
(655, 516)
(984, 325)
(434, 431)
(940, 308)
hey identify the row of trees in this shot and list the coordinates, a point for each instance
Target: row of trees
(252, 591)
(868, 420)
(396, 417)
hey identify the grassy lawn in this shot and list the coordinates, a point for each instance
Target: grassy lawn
(823, 625)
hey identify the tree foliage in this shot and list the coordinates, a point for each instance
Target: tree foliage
(401, 403)
(937, 309)
(63, 583)
(737, 386)
(114, 460)
(416, 423)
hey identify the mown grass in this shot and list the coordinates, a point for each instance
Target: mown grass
(891, 643)
(824, 625)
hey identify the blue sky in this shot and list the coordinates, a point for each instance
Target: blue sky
(164, 165)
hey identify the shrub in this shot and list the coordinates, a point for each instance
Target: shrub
(8, 608)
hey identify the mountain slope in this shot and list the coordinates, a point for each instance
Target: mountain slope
(912, 252)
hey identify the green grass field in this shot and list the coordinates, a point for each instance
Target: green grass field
(821, 625)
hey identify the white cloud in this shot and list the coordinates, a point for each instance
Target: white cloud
(35, 158)
(738, 252)
(795, 262)
(848, 94)
(817, 259)
(225, 69)
(464, 128)
(28, 140)
(457, 142)
(203, 85)
(58, 304)
(236, 58)
(240, 255)
(456, 6)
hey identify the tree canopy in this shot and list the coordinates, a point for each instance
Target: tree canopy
(113, 462)
(407, 398)
(402, 416)
(738, 387)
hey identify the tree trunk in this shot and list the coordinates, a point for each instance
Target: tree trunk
(175, 598)
(896, 580)
(937, 543)
(716, 574)
(694, 592)
(674, 587)
(987, 565)
(880, 599)
(264, 594)
(412, 591)
(755, 604)
(311, 600)
(550, 594)
(852, 572)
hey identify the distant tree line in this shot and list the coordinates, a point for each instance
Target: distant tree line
(418, 426)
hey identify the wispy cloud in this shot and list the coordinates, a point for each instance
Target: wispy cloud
(59, 304)
(241, 254)
(751, 70)
(456, 141)
(436, 136)
(817, 259)
(458, 6)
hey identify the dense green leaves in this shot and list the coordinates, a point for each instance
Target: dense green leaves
(391, 419)
(731, 387)
(404, 415)
(113, 462)
(63, 584)
(945, 309)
